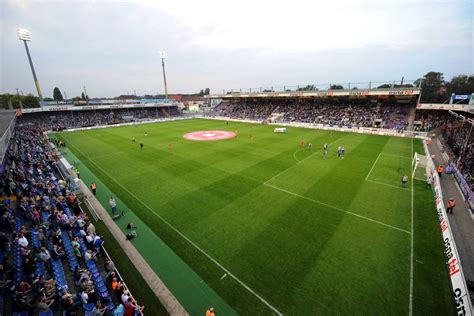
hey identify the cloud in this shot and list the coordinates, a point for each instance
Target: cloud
(112, 46)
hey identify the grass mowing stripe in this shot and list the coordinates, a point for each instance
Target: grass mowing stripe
(410, 304)
(375, 162)
(397, 156)
(337, 208)
(302, 257)
(389, 185)
(298, 150)
(184, 237)
(300, 161)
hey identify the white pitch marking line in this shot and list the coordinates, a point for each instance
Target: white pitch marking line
(410, 303)
(386, 184)
(222, 277)
(397, 156)
(295, 154)
(375, 162)
(337, 208)
(186, 238)
(279, 174)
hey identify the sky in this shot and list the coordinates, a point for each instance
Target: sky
(112, 47)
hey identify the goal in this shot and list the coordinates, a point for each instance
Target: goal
(419, 167)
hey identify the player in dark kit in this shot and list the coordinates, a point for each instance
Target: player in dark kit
(141, 146)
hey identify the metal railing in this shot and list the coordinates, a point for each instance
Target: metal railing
(371, 85)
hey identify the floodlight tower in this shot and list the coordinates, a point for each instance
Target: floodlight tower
(24, 35)
(163, 56)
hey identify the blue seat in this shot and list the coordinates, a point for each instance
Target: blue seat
(46, 313)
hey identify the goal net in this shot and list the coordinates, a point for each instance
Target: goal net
(419, 167)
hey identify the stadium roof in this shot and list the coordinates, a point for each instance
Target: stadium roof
(322, 93)
(6, 117)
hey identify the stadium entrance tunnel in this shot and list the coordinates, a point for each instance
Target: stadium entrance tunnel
(209, 135)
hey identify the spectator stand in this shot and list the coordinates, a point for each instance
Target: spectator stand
(68, 246)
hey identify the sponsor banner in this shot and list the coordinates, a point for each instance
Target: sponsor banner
(55, 103)
(328, 93)
(126, 124)
(104, 102)
(445, 107)
(460, 97)
(96, 107)
(458, 282)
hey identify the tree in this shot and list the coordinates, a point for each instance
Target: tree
(76, 98)
(307, 88)
(48, 99)
(384, 86)
(83, 96)
(336, 87)
(201, 93)
(30, 101)
(57, 95)
(207, 91)
(461, 84)
(431, 85)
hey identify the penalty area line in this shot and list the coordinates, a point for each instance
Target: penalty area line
(339, 209)
(396, 156)
(300, 161)
(186, 238)
(375, 162)
(388, 185)
(294, 154)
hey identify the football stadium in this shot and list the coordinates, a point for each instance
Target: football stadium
(318, 199)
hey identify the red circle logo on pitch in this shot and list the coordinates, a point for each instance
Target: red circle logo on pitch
(209, 135)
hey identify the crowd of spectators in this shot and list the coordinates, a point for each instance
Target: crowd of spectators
(429, 120)
(50, 254)
(59, 120)
(458, 137)
(246, 110)
(334, 111)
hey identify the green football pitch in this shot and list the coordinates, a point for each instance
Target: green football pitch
(274, 228)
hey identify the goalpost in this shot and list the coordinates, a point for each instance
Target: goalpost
(420, 168)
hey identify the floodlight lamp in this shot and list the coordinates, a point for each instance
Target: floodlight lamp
(162, 54)
(24, 35)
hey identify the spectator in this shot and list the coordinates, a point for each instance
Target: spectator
(113, 205)
(44, 255)
(98, 309)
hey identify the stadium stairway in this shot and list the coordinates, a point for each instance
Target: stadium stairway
(273, 115)
(411, 118)
(165, 112)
